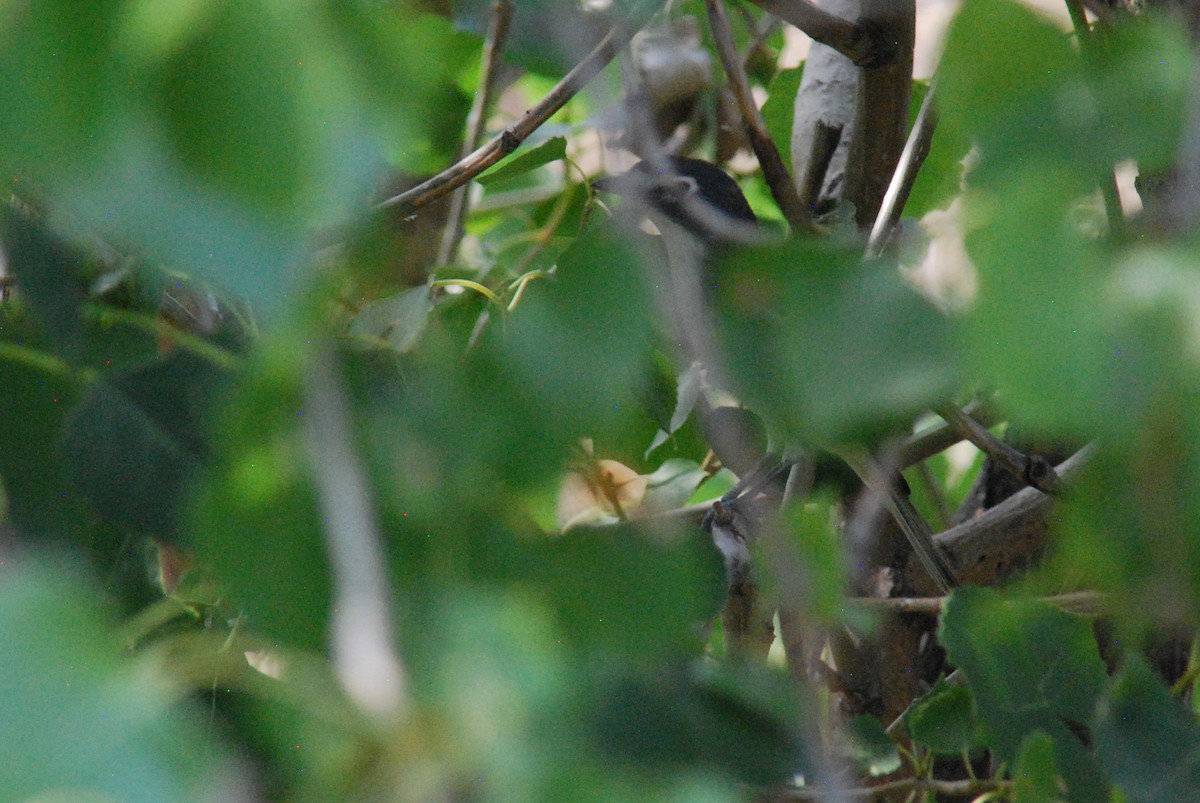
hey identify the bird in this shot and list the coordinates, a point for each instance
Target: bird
(700, 212)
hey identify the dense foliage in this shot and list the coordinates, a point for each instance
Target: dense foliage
(218, 357)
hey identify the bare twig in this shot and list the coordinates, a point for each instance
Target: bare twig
(493, 47)
(938, 437)
(855, 42)
(826, 138)
(965, 788)
(363, 649)
(1108, 185)
(1084, 602)
(1032, 469)
(783, 189)
(911, 159)
(512, 137)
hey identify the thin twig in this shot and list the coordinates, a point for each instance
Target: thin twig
(1083, 602)
(826, 138)
(512, 137)
(493, 48)
(911, 159)
(1108, 185)
(775, 172)
(937, 438)
(950, 788)
(1031, 469)
(853, 41)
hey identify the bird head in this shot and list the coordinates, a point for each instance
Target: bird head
(690, 193)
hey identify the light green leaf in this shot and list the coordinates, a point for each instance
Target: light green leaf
(549, 151)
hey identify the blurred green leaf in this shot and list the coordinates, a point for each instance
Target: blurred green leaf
(1035, 775)
(825, 347)
(136, 439)
(255, 521)
(582, 342)
(398, 319)
(1030, 667)
(1147, 741)
(81, 719)
(738, 719)
(621, 591)
(870, 748)
(944, 720)
(549, 151)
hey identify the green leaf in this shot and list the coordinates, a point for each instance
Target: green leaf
(1147, 741)
(581, 343)
(871, 748)
(81, 719)
(1035, 775)
(826, 347)
(255, 521)
(739, 720)
(779, 111)
(399, 319)
(1030, 667)
(944, 720)
(619, 591)
(136, 439)
(60, 88)
(549, 151)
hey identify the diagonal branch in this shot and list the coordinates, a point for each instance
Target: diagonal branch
(783, 189)
(493, 47)
(511, 138)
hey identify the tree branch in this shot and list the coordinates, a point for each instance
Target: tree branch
(911, 159)
(511, 138)
(783, 189)
(854, 41)
(493, 47)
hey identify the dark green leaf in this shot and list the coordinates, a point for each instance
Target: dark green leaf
(255, 522)
(549, 151)
(623, 592)
(1147, 741)
(735, 719)
(136, 439)
(944, 720)
(1030, 667)
(581, 342)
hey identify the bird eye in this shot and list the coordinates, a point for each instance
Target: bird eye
(688, 185)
